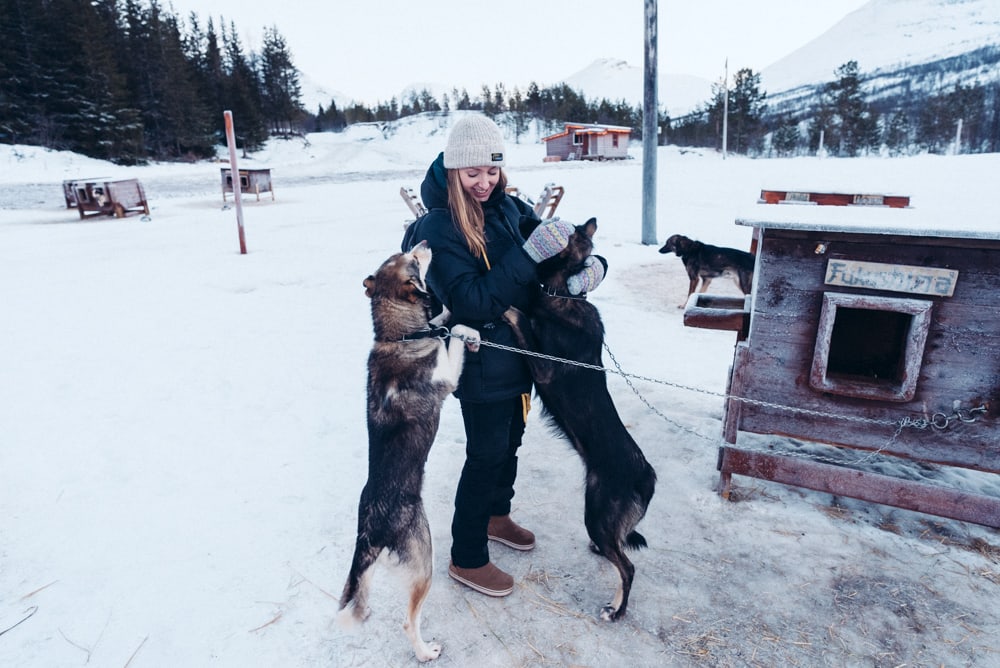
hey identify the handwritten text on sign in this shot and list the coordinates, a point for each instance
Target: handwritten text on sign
(894, 277)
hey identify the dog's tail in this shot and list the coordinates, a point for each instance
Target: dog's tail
(635, 540)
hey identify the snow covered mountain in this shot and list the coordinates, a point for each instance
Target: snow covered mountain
(898, 44)
(617, 80)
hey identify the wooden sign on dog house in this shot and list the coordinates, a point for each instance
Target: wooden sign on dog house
(876, 330)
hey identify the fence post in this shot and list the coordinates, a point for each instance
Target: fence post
(237, 185)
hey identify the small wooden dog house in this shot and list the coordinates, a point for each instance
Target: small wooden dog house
(254, 181)
(588, 141)
(102, 197)
(870, 328)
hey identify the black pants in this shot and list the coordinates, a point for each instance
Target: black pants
(493, 434)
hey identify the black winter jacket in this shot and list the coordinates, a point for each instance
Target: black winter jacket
(476, 295)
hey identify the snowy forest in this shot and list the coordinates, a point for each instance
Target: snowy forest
(844, 118)
(129, 82)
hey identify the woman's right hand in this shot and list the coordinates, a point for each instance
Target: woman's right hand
(548, 239)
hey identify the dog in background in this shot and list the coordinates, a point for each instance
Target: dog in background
(619, 480)
(411, 370)
(704, 262)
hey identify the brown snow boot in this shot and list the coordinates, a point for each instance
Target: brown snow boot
(487, 579)
(504, 530)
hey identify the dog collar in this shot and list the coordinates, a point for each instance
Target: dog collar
(552, 292)
(435, 333)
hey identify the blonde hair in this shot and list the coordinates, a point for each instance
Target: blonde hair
(467, 212)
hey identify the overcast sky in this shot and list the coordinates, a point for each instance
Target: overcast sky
(369, 50)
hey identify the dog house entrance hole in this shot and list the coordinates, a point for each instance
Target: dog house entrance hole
(870, 347)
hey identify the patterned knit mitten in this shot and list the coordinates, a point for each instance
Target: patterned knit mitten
(548, 239)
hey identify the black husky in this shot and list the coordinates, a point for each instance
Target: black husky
(619, 482)
(704, 262)
(411, 370)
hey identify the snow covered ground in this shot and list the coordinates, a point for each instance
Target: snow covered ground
(183, 443)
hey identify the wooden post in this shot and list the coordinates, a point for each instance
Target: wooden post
(237, 186)
(650, 129)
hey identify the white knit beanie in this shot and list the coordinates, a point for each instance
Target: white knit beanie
(474, 141)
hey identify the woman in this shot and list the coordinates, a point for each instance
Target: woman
(481, 266)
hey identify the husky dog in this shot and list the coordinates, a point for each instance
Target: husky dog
(619, 481)
(411, 370)
(704, 262)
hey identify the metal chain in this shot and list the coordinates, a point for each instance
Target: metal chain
(790, 453)
(939, 421)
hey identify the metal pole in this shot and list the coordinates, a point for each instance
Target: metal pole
(650, 129)
(237, 185)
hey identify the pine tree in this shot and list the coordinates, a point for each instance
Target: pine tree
(242, 94)
(713, 113)
(746, 110)
(854, 129)
(787, 139)
(213, 80)
(18, 71)
(898, 133)
(23, 85)
(519, 115)
(281, 92)
(427, 101)
(533, 100)
(486, 101)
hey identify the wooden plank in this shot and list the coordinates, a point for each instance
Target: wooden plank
(834, 199)
(872, 487)
(733, 408)
(972, 446)
(722, 312)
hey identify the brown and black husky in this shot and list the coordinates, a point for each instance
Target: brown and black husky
(703, 262)
(411, 370)
(619, 480)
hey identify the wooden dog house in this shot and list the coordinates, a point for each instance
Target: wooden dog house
(254, 181)
(101, 197)
(874, 329)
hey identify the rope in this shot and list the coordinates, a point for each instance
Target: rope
(938, 421)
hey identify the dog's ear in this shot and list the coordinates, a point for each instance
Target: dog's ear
(589, 227)
(414, 291)
(422, 252)
(369, 284)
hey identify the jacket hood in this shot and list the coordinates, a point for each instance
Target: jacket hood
(434, 189)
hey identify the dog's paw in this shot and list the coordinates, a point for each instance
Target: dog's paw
(609, 613)
(468, 335)
(429, 652)
(351, 618)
